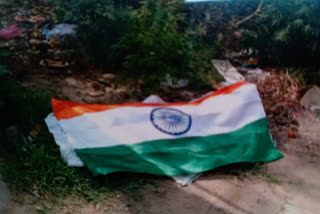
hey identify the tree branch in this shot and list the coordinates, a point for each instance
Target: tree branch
(258, 10)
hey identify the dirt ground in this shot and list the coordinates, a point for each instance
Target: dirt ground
(287, 186)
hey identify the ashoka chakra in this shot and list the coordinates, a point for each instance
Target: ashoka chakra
(171, 121)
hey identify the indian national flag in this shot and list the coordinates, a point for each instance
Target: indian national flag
(223, 127)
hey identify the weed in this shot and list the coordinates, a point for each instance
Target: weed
(269, 178)
(131, 183)
(249, 170)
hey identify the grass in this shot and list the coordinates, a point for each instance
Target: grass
(250, 170)
(36, 166)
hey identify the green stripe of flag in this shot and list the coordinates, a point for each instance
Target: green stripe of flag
(251, 143)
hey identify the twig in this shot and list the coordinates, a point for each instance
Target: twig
(258, 10)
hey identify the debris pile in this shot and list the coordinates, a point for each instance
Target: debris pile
(33, 35)
(280, 95)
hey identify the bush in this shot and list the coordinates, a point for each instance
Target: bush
(101, 23)
(286, 32)
(158, 46)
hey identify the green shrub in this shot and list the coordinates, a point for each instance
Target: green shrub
(101, 23)
(158, 46)
(286, 32)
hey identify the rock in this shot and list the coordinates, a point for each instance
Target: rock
(35, 41)
(96, 93)
(153, 99)
(121, 90)
(175, 83)
(109, 76)
(311, 99)
(108, 90)
(71, 82)
(56, 64)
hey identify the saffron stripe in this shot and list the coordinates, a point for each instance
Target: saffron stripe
(66, 109)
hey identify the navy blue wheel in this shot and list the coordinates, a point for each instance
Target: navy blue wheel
(171, 121)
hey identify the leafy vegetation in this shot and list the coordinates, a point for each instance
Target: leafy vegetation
(169, 37)
(286, 32)
(280, 32)
(102, 24)
(150, 42)
(157, 45)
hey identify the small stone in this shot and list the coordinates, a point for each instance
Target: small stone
(71, 81)
(35, 41)
(108, 76)
(96, 93)
(121, 90)
(97, 206)
(108, 89)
